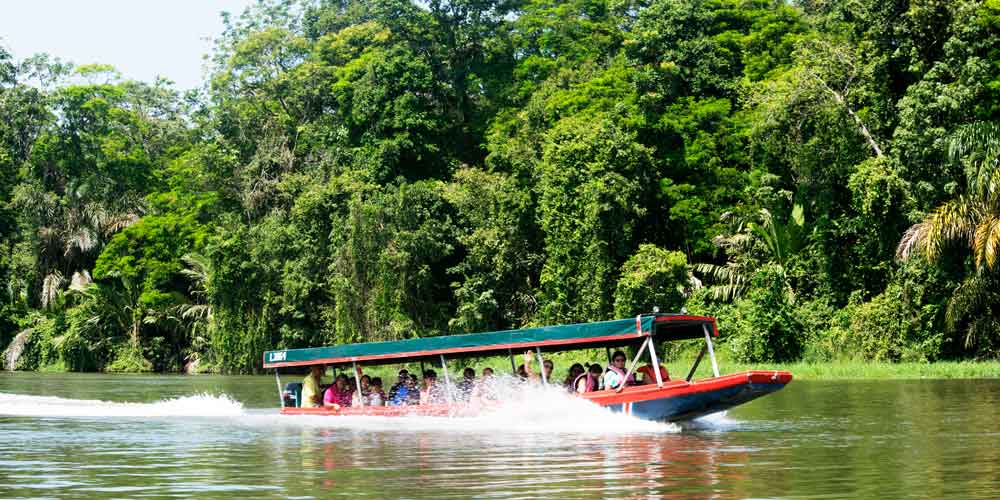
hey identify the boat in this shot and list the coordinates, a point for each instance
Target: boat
(663, 400)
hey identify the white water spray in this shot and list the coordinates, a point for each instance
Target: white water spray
(202, 405)
(527, 408)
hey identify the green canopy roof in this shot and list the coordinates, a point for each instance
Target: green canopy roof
(554, 338)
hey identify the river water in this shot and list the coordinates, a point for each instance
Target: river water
(103, 436)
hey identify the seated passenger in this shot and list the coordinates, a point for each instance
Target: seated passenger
(413, 396)
(339, 394)
(376, 396)
(312, 396)
(589, 381)
(466, 385)
(432, 393)
(486, 388)
(404, 379)
(360, 398)
(649, 376)
(614, 377)
(574, 371)
(366, 383)
(547, 367)
(402, 393)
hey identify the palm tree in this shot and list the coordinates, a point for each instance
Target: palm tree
(971, 219)
(198, 314)
(113, 309)
(780, 240)
(72, 231)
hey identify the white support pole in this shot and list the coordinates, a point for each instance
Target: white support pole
(711, 350)
(656, 362)
(635, 361)
(541, 366)
(281, 396)
(447, 381)
(357, 382)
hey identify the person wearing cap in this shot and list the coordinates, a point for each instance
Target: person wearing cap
(312, 396)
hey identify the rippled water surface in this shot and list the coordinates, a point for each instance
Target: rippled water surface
(99, 436)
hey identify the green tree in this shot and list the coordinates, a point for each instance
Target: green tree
(590, 178)
(652, 278)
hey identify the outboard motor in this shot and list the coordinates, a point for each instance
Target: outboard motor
(292, 395)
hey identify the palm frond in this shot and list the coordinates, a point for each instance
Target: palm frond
(50, 288)
(970, 297)
(954, 220)
(986, 241)
(118, 222)
(979, 144)
(730, 280)
(16, 347)
(80, 281)
(913, 238)
(82, 240)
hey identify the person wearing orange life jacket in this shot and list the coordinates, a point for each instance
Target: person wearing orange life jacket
(590, 380)
(614, 377)
(649, 376)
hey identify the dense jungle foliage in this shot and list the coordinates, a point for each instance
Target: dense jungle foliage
(821, 175)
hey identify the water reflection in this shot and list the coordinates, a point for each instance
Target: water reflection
(334, 463)
(921, 439)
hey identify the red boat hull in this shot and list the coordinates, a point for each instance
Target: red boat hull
(676, 400)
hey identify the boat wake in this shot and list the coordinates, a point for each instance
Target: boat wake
(201, 405)
(527, 409)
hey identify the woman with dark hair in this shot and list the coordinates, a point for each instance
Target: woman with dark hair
(376, 396)
(339, 394)
(614, 377)
(589, 381)
(574, 371)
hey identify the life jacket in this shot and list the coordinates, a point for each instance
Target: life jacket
(591, 384)
(649, 376)
(621, 376)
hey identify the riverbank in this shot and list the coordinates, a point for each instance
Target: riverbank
(837, 370)
(856, 370)
(832, 370)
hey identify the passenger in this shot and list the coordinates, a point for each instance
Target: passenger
(589, 381)
(574, 371)
(432, 393)
(547, 366)
(376, 396)
(467, 384)
(360, 398)
(615, 374)
(485, 388)
(649, 376)
(312, 396)
(413, 396)
(521, 372)
(339, 394)
(404, 379)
